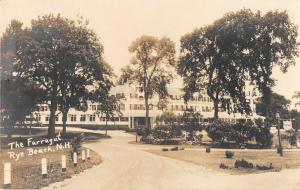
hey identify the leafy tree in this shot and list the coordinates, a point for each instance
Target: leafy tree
(278, 104)
(274, 43)
(212, 59)
(18, 96)
(109, 106)
(151, 67)
(63, 57)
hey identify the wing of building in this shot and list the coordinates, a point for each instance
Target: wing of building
(132, 108)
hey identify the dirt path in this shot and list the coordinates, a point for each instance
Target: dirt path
(128, 166)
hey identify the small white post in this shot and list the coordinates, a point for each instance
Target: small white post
(88, 154)
(7, 174)
(75, 159)
(83, 155)
(63, 163)
(44, 167)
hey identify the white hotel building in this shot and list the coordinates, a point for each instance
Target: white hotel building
(133, 109)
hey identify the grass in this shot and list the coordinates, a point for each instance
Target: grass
(26, 172)
(213, 159)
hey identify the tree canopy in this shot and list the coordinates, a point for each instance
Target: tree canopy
(239, 47)
(151, 67)
(18, 96)
(64, 58)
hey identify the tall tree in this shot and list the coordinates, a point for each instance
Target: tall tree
(109, 107)
(18, 96)
(274, 44)
(151, 67)
(63, 57)
(212, 59)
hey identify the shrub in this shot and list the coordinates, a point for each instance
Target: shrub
(164, 149)
(207, 149)
(143, 131)
(240, 132)
(223, 166)
(263, 167)
(190, 124)
(262, 134)
(174, 148)
(243, 164)
(292, 136)
(166, 132)
(218, 131)
(148, 139)
(229, 154)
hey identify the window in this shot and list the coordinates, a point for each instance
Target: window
(38, 117)
(122, 107)
(82, 118)
(98, 107)
(102, 118)
(43, 108)
(92, 117)
(47, 118)
(124, 119)
(207, 109)
(114, 119)
(94, 107)
(73, 118)
(56, 118)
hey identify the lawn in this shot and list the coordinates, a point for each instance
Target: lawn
(26, 172)
(213, 159)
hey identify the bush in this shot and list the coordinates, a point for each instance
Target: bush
(229, 154)
(174, 148)
(164, 149)
(243, 164)
(217, 131)
(240, 132)
(143, 131)
(166, 132)
(190, 124)
(223, 166)
(207, 149)
(263, 167)
(148, 139)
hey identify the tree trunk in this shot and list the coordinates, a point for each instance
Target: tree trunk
(106, 127)
(267, 100)
(53, 107)
(64, 122)
(216, 110)
(147, 112)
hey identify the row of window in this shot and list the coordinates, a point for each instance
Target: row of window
(195, 108)
(83, 118)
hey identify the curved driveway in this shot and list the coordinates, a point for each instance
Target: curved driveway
(129, 166)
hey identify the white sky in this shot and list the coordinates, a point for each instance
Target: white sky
(119, 22)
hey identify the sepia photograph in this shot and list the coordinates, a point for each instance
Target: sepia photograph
(150, 94)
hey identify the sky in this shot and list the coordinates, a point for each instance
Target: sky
(119, 22)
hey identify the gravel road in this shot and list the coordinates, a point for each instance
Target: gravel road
(129, 166)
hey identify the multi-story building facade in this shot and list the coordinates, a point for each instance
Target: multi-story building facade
(132, 108)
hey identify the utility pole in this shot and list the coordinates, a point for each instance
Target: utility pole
(279, 149)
